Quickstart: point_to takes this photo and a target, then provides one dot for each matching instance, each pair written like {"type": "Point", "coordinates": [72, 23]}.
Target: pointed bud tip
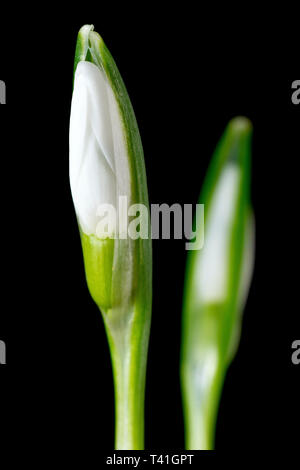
{"type": "Point", "coordinates": [88, 33]}
{"type": "Point", "coordinates": [240, 125]}
{"type": "Point", "coordinates": [85, 29]}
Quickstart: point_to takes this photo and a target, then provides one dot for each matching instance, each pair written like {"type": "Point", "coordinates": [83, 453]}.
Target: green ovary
{"type": "Point", "coordinates": [98, 260]}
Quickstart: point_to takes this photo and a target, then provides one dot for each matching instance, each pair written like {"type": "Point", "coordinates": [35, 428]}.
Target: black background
{"type": "Point", "coordinates": [57, 385]}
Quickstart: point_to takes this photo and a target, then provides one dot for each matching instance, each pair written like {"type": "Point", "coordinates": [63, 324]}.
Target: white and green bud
{"type": "Point", "coordinates": [106, 165]}
{"type": "Point", "coordinates": [217, 283]}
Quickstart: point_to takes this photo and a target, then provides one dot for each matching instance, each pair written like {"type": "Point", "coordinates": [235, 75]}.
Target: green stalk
{"type": "Point", "coordinates": [119, 271]}
{"type": "Point", "coordinates": [200, 408]}
{"type": "Point", "coordinates": [217, 284]}
{"type": "Point", "coordinates": [129, 356]}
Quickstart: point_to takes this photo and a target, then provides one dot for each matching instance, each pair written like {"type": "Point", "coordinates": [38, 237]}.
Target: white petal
{"type": "Point", "coordinates": [213, 264]}
{"type": "Point", "coordinates": [92, 156]}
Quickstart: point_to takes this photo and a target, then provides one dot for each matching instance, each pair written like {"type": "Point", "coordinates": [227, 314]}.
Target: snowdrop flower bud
{"type": "Point", "coordinates": [217, 283]}
{"type": "Point", "coordinates": [106, 166]}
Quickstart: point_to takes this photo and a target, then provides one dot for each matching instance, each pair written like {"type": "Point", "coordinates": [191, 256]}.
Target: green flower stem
{"type": "Point", "coordinates": [201, 414]}
{"type": "Point", "coordinates": [129, 357]}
